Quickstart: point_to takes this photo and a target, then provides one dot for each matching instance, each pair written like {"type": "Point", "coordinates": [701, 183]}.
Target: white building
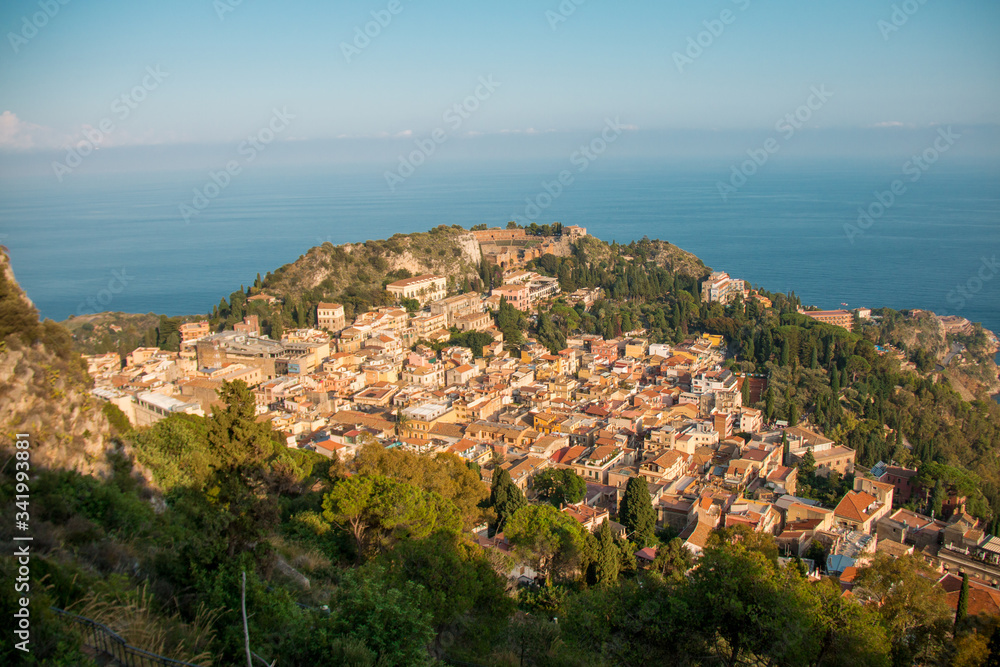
{"type": "Point", "coordinates": [425, 288]}
{"type": "Point", "coordinates": [720, 288]}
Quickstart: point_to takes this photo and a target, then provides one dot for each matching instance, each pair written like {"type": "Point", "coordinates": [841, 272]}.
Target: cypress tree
{"type": "Point", "coordinates": [745, 389]}
{"type": "Point", "coordinates": [963, 601]}
{"type": "Point", "coordinates": [241, 449]}
{"type": "Point", "coordinates": [636, 513]}
{"type": "Point", "coordinates": [505, 498]}
{"type": "Point", "coordinates": [607, 565]}
{"type": "Point", "coordinates": [939, 495]}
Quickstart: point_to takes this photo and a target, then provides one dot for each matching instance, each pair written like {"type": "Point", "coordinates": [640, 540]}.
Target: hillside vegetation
{"type": "Point", "coordinates": [327, 271]}
{"type": "Point", "coordinates": [93, 333]}
{"type": "Point", "coordinates": [355, 275]}
{"type": "Point", "coordinates": [660, 253]}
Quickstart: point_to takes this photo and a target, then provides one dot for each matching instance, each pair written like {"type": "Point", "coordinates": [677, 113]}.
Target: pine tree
{"type": "Point", "coordinates": [607, 563]}
{"type": "Point", "coordinates": [963, 601]}
{"type": "Point", "coordinates": [505, 498]}
{"type": "Point", "coordinates": [636, 513]}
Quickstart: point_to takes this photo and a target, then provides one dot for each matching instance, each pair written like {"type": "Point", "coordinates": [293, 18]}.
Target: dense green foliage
{"type": "Point", "coordinates": [474, 340]}
{"type": "Point", "coordinates": [607, 559]}
{"type": "Point", "coordinates": [505, 499]}
{"type": "Point", "coordinates": [636, 512]}
{"type": "Point", "coordinates": [379, 511]}
{"type": "Point", "coordinates": [559, 486]}
{"type": "Point", "coordinates": [552, 541]}
{"type": "Point", "coordinates": [445, 474]}
{"type": "Point", "coordinates": [737, 607]}
{"type": "Point", "coordinates": [512, 323]}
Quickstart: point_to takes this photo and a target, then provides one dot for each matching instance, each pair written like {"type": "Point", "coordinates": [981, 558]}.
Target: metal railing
{"type": "Point", "coordinates": [109, 644]}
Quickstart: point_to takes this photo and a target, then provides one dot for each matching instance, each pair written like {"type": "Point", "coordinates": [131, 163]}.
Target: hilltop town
{"type": "Point", "coordinates": [431, 374]}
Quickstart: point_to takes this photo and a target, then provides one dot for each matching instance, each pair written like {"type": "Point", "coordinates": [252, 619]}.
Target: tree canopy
{"type": "Point", "coordinates": [551, 540]}
{"type": "Point", "coordinates": [560, 486]}
{"type": "Point", "coordinates": [505, 498]}
{"type": "Point", "coordinates": [378, 510]}
{"type": "Point", "coordinates": [636, 512]}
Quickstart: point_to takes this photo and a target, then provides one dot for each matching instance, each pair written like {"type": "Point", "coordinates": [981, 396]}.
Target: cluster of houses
{"type": "Point", "coordinates": [610, 410]}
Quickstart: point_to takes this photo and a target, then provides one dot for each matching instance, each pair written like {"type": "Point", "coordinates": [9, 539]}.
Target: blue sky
{"type": "Point", "coordinates": [225, 75]}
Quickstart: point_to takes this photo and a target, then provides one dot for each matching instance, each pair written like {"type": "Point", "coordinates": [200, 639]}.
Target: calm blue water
{"type": "Point", "coordinates": [784, 230]}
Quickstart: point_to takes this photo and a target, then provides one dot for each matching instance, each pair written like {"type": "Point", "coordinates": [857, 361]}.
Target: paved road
{"type": "Point", "coordinates": [956, 348]}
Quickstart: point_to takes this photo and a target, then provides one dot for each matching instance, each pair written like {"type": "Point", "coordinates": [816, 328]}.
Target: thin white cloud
{"type": "Point", "coordinates": [21, 135]}
{"type": "Point", "coordinates": [18, 135]}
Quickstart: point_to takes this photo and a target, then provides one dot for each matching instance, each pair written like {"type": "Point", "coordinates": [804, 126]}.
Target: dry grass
{"type": "Point", "coordinates": [134, 618]}
{"type": "Point", "coordinates": [304, 558]}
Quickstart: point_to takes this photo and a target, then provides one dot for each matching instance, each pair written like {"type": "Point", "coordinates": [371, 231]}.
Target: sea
{"type": "Point", "coordinates": [121, 241]}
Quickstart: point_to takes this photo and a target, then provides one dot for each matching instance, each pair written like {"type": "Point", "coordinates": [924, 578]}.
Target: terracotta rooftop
{"type": "Point", "coordinates": [983, 599]}
{"type": "Point", "coordinates": [697, 534]}
{"type": "Point", "coordinates": [854, 505]}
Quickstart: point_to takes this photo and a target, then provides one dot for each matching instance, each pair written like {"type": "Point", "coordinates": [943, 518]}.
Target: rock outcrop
{"type": "Point", "coordinates": [44, 388]}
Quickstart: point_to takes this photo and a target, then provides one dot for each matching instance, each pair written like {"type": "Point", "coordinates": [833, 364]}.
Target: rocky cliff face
{"type": "Point", "coordinates": [923, 332]}
{"type": "Point", "coordinates": [44, 388]}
